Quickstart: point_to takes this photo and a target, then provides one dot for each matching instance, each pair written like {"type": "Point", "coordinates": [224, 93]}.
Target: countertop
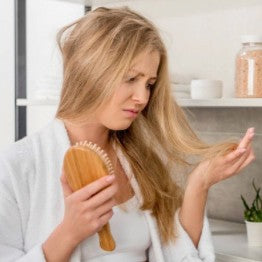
{"type": "Point", "coordinates": [230, 242]}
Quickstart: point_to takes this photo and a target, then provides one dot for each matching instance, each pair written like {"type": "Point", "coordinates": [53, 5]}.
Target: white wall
{"type": "Point", "coordinates": [205, 45]}
{"type": "Point", "coordinates": [44, 67]}
{"type": "Point", "coordinates": [7, 73]}
{"type": "Point", "coordinates": [202, 37]}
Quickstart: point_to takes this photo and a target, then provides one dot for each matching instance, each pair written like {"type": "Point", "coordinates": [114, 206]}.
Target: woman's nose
{"type": "Point", "coordinates": [141, 94]}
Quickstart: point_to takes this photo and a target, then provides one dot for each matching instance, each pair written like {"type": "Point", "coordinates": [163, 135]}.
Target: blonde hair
{"type": "Point", "coordinates": [97, 51]}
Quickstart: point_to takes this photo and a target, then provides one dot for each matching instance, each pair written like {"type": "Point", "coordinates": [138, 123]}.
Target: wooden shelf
{"type": "Point", "coordinates": [216, 103]}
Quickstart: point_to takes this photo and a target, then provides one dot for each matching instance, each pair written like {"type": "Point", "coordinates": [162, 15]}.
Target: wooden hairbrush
{"type": "Point", "coordinates": [84, 163]}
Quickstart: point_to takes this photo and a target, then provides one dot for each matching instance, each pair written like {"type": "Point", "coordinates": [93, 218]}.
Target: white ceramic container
{"type": "Point", "coordinates": [254, 233]}
{"type": "Point", "coordinates": [206, 89]}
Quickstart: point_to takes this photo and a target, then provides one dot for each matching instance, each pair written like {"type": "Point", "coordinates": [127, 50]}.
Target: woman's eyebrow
{"type": "Point", "coordinates": [142, 74]}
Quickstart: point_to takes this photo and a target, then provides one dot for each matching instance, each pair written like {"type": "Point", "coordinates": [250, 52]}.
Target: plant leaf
{"type": "Point", "coordinates": [257, 197]}
{"type": "Point", "coordinates": [253, 183]}
{"type": "Point", "coordinates": [245, 203]}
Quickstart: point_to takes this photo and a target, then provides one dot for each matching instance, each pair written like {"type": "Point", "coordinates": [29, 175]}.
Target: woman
{"type": "Point", "coordinates": [115, 93]}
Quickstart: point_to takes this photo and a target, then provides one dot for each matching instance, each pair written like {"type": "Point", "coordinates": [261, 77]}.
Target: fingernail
{"type": "Point", "coordinates": [251, 135]}
{"type": "Point", "coordinates": [251, 129]}
{"type": "Point", "coordinates": [242, 150]}
{"type": "Point", "coordinates": [110, 178]}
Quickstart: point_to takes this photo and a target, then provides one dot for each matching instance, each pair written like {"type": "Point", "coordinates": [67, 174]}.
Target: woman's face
{"type": "Point", "coordinates": [132, 96]}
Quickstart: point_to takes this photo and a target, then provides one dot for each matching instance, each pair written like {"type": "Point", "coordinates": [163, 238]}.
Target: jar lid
{"type": "Point", "coordinates": [251, 39]}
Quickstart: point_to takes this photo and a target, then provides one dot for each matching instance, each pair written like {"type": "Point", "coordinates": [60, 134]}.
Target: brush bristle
{"type": "Point", "coordinates": [98, 150]}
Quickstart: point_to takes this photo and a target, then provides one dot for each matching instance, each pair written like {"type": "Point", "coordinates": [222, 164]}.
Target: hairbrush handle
{"type": "Point", "coordinates": [106, 240]}
{"type": "Point", "coordinates": [83, 164]}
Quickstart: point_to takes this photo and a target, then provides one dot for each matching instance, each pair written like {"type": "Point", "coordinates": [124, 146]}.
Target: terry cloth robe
{"type": "Point", "coordinates": [32, 203]}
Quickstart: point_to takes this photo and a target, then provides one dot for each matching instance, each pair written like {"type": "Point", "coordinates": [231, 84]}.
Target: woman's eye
{"type": "Point", "coordinates": [150, 86]}
{"type": "Point", "coordinates": [131, 79]}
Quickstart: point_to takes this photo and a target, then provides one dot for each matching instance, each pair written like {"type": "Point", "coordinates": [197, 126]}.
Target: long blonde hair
{"type": "Point", "coordinates": [97, 51]}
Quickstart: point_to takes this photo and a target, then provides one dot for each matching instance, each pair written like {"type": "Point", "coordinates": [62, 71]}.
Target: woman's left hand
{"type": "Point", "coordinates": [210, 172]}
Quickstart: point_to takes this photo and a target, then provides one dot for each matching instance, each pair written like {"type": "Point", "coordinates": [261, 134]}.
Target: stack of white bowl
{"type": "Point", "coordinates": [180, 85]}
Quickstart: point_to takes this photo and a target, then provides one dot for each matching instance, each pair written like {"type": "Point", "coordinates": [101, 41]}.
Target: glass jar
{"type": "Point", "coordinates": [248, 73]}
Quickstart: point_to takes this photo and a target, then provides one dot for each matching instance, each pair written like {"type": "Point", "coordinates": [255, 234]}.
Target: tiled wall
{"type": "Point", "coordinates": [216, 124]}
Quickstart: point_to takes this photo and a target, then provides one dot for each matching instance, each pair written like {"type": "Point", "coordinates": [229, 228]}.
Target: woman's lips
{"type": "Point", "coordinates": [130, 113]}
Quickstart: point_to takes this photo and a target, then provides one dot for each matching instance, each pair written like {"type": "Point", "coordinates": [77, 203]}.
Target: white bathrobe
{"type": "Point", "coordinates": [32, 204]}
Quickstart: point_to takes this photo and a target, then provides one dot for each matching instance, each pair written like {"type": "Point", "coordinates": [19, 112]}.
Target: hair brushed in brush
{"type": "Point", "coordinates": [84, 163]}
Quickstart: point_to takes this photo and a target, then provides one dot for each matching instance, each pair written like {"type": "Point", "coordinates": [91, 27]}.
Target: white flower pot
{"type": "Point", "coordinates": [254, 233]}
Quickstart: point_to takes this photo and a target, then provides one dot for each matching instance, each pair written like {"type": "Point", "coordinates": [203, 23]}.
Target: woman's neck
{"type": "Point", "coordinates": [88, 132]}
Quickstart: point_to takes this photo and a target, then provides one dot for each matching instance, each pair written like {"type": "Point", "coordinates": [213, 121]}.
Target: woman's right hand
{"type": "Point", "coordinates": [88, 209]}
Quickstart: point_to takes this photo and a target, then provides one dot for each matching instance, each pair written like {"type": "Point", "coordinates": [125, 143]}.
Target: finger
{"type": "Point", "coordinates": [105, 218]}
{"type": "Point", "coordinates": [107, 206]}
{"type": "Point", "coordinates": [66, 188]}
{"type": "Point", "coordinates": [241, 149]}
{"type": "Point", "coordinates": [239, 161]}
{"type": "Point", "coordinates": [103, 196]}
{"type": "Point", "coordinates": [247, 162]}
{"type": "Point", "coordinates": [247, 138]}
{"type": "Point", "coordinates": [234, 155]}
{"type": "Point", "coordinates": [245, 154]}
{"type": "Point", "coordinates": [251, 157]}
{"type": "Point", "coordinates": [246, 159]}
{"type": "Point", "coordinates": [94, 187]}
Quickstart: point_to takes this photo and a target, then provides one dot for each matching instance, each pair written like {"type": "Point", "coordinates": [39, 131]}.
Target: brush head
{"type": "Point", "coordinates": [84, 163]}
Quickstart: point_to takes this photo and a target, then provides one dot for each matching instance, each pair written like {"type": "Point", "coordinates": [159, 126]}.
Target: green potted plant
{"type": "Point", "coordinates": [253, 218]}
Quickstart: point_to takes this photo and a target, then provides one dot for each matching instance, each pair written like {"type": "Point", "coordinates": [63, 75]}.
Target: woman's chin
{"type": "Point", "coordinates": [119, 126]}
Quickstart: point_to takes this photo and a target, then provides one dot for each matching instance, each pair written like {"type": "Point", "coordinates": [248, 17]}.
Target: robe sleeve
{"type": "Point", "coordinates": [11, 237]}
{"type": "Point", "coordinates": [184, 250]}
